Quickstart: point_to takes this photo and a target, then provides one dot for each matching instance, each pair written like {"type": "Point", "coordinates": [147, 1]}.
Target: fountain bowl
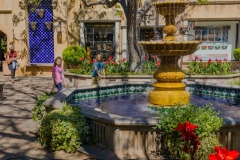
{"type": "Point", "coordinates": [169, 48]}
{"type": "Point", "coordinates": [172, 8]}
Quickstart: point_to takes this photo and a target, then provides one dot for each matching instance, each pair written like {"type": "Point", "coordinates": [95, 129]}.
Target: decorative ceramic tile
{"type": "Point", "coordinates": [140, 88]}
{"type": "Point", "coordinates": [148, 89]}
{"type": "Point", "coordinates": [232, 93]}
{"type": "Point", "coordinates": [209, 90]}
{"type": "Point", "coordinates": [41, 41]}
{"type": "Point", "coordinates": [224, 92]}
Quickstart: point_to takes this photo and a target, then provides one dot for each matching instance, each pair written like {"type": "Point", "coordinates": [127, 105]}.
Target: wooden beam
{"type": "Point", "coordinates": [5, 11]}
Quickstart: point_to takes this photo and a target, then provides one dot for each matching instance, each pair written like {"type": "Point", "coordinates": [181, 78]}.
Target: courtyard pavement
{"type": "Point", "coordinates": [17, 138]}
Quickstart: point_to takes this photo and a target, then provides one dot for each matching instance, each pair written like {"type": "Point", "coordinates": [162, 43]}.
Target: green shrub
{"type": "Point", "coordinates": [208, 124]}
{"type": "Point", "coordinates": [64, 129]}
{"type": "Point", "coordinates": [39, 111]}
{"type": "Point", "coordinates": [234, 81]}
{"type": "Point", "coordinates": [236, 53]}
{"type": "Point", "coordinates": [72, 54]}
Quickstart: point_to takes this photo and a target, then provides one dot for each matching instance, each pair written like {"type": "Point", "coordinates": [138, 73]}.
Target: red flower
{"type": "Point", "coordinates": [200, 59]}
{"type": "Point", "coordinates": [91, 61]}
{"type": "Point", "coordinates": [81, 59]}
{"type": "Point", "coordinates": [196, 58]}
{"type": "Point", "coordinates": [146, 57]}
{"type": "Point", "coordinates": [216, 60]}
{"type": "Point", "coordinates": [219, 61]}
{"type": "Point", "coordinates": [110, 58]}
{"type": "Point", "coordinates": [186, 129]}
{"type": "Point", "coordinates": [107, 62]}
{"type": "Point", "coordinates": [158, 63]}
{"type": "Point", "coordinates": [191, 139]}
{"type": "Point", "coordinates": [114, 63]}
{"type": "Point", "coordinates": [225, 59]}
{"type": "Point", "coordinates": [154, 57]}
{"type": "Point", "coordinates": [124, 59]}
{"type": "Point", "coordinates": [223, 154]}
{"type": "Point", "coordinates": [209, 61]}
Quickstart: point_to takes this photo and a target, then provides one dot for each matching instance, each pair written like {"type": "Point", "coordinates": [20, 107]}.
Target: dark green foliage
{"type": "Point", "coordinates": [208, 124]}
{"type": "Point", "coordinates": [236, 53]}
{"type": "Point", "coordinates": [72, 54]}
{"type": "Point", "coordinates": [39, 111]}
{"type": "Point", "coordinates": [64, 129]}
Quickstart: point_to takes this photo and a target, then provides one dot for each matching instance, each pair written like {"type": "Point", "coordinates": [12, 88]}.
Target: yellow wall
{"type": "Point", "coordinates": [70, 25]}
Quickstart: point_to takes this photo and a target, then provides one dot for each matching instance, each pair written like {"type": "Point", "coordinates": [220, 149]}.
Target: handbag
{"type": "Point", "coordinates": [9, 61]}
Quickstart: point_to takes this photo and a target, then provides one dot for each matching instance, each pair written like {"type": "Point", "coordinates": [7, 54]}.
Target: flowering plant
{"type": "Point", "coordinates": [150, 65]}
{"type": "Point", "coordinates": [197, 66]}
{"type": "Point", "coordinates": [198, 140]}
{"type": "Point", "coordinates": [189, 136]}
{"type": "Point", "coordinates": [223, 154]}
{"type": "Point", "coordinates": [120, 67]}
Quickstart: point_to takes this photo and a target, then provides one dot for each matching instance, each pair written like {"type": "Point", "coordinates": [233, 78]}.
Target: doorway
{"type": "Point", "coordinates": [3, 48]}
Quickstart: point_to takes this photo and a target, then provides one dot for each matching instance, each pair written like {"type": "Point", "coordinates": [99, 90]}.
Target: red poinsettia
{"type": "Point", "coordinates": [186, 129]}
{"type": "Point", "coordinates": [223, 154]}
{"type": "Point", "coordinates": [191, 139]}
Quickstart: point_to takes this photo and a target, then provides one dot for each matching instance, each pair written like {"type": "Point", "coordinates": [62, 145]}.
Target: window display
{"type": "Point", "coordinates": [212, 37]}
{"type": "Point", "coordinates": [100, 39]}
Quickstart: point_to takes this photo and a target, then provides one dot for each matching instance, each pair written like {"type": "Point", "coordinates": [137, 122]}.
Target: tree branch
{"type": "Point", "coordinates": [124, 6]}
{"type": "Point", "coordinates": [100, 2]}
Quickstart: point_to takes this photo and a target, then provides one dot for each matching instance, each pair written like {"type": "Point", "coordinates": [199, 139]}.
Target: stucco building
{"type": "Point", "coordinates": [40, 38]}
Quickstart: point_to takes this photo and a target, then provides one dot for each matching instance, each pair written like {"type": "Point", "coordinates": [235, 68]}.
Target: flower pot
{"type": "Point", "coordinates": [49, 25]}
{"type": "Point", "coordinates": [203, 47]}
{"type": "Point", "coordinates": [40, 12]}
{"type": "Point", "coordinates": [33, 25]}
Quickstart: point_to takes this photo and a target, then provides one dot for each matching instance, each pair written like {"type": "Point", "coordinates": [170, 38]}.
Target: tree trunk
{"type": "Point", "coordinates": [139, 17]}
{"type": "Point", "coordinates": [134, 56]}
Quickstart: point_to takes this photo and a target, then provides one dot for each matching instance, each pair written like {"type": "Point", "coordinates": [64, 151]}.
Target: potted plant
{"type": "Point", "coordinates": [236, 54]}
{"type": "Point", "coordinates": [72, 54]}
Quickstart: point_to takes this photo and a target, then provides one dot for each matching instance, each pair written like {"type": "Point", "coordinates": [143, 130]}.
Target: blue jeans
{"type": "Point", "coordinates": [59, 86]}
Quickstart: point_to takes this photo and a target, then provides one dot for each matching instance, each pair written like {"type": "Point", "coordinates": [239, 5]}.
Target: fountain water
{"type": "Point", "coordinates": [169, 89]}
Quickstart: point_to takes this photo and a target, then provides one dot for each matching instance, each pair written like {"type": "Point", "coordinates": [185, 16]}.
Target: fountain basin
{"type": "Point", "coordinates": [170, 7]}
{"type": "Point", "coordinates": [169, 48]}
{"type": "Point", "coordinates": [126, 134]}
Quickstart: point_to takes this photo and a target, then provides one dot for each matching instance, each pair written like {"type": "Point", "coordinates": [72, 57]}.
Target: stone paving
{"type": "Point", "coordinates": [16, 126]}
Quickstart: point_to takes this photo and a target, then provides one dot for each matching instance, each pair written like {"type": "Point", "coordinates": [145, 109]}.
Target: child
{"type": "Point", "coordinates": [98, 69]}
{"type": "Point", "coordinates": [57, 73]}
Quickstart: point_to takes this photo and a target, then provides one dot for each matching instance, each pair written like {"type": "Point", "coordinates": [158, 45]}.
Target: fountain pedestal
{"type": "Point", "coordinates": [169, 89]}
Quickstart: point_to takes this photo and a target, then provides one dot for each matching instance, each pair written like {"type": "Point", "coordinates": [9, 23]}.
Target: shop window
{"type": "Point", "coordinates": [147, 34]}
{"type": "Point", "coordinates": [99, 39]}
{"type": "Point", "coordinates": [212, 37]}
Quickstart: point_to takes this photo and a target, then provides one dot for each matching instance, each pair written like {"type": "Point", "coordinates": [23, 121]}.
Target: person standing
{"type": "Point", "coordinates": [11, 58]}
{"type": "Point", "coordinates": [98, 70]}
{"type": "Point", "coordinates": [57, 73]}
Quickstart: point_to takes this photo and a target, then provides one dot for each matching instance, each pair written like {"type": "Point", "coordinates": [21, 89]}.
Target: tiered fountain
{"type": "Point", "coordinates": [169, 89]}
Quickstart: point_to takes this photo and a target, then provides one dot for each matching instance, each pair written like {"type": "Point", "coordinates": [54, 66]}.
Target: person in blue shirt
{"type": "Point", "coordinates": [98, 70]}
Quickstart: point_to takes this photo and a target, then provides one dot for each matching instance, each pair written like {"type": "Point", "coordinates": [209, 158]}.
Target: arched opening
{"type": "Point", "coordinates": [3, 48]}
